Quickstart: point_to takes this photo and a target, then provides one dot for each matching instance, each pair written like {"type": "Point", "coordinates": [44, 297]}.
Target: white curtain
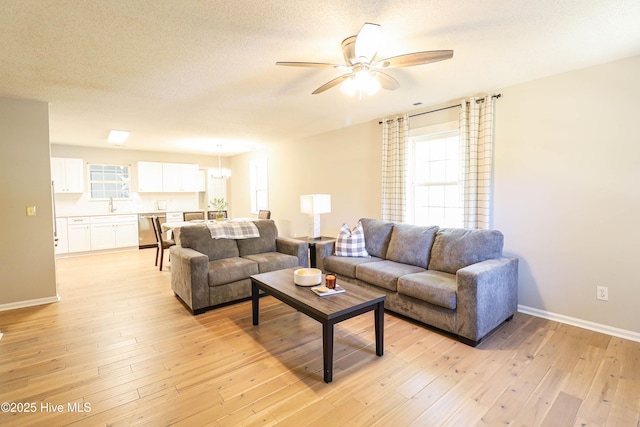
{"type": "Point", "coordinates": [476, 139]}
{"type": "Point", "coordinates": [395, 140]}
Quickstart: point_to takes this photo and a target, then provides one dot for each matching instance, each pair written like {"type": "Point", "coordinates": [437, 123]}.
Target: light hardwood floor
{"type": "Point", "coordinates": [120, 346]}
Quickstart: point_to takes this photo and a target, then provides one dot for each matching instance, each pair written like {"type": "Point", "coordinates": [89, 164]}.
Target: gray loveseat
{"type": "Point", "coordinates": [207, 272]}
{"type": "Point", "coordinates": [453, 279]}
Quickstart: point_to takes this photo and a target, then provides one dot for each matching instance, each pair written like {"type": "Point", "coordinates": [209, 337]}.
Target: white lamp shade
{"type": "Point", "coordinates": [315, 203]}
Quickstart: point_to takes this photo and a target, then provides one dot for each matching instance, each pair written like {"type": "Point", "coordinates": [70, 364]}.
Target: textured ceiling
{"type": "Point", "coordinates": [185, 75]}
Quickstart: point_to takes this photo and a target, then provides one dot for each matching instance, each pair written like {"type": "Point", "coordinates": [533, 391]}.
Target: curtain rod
{"type": "Point", "coordinates": [446, 108]}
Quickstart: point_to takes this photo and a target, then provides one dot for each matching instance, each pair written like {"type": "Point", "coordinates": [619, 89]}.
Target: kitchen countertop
{"type": "Point", "coordinates": [151, 212]}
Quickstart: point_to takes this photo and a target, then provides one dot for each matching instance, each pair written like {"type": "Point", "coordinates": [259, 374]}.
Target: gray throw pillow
{"type": "Point", "coordinates": [456, 248]}
{"type": "Point", "coordinates": [377, 234]}
{"type": "Point", "coordinates": [411, 244]}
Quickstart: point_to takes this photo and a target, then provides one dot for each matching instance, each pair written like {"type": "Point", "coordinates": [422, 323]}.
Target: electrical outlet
{"type": "Point", "coordinates": [31, 211]}
{"type": "Point", "coordinates": [602, 293]}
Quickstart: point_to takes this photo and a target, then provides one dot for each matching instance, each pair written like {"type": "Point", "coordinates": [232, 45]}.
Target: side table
{"type": "Point", "coordinates": [312, 246]}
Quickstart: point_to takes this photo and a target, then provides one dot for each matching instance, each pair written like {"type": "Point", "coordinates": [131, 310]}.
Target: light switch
{"type": "Point", "coordinates": [31, 211]}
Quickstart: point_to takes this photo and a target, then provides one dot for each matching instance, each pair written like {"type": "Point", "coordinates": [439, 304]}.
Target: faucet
{"type": "Point", "coordinates": [111, 208]}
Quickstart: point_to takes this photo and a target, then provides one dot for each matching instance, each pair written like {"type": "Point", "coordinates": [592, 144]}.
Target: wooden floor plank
{"type": "Point", "coordinates": [563, 411]}
{"type": "Point", "coordinates": [121, 341]}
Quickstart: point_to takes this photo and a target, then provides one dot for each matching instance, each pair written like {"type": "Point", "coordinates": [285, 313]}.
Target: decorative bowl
{"type": "Point", "coordinates": [307, 276]}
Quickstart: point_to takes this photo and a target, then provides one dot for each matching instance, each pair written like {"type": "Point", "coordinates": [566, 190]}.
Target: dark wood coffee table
{"type": "Point", "coordinates": [327, 310]}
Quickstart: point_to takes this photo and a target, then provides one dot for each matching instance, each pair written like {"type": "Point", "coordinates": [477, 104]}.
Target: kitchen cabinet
{"type": "Point", "coordinates": [155, 177]}
{"type": "Point", "coordinates": [67, 175]}
{"type": "Point", "coordinates": [114, 231]}
{"type": "Point", "coordinates": [202, 180]}
{"type": "Point", "coordinates": [78, 234]}
{"type": "Point", "coordinates": [150, 177]}
{"type": "Point", "coordinates": [127, 234]}
{"type": "Point", "coordinates": [179, 177]}
{"type": "Point", "coordinates": [62, 245]}
{"type": "Point", "coordinates": [175, 216]}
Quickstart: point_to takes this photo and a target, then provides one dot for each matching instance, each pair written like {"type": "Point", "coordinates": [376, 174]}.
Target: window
{"type": "Point", "coordinates": [107, 181]}
{"type": "Point", "coordinates": [258, 185]}
{"type": "Point", "coordinates": [434, 190]}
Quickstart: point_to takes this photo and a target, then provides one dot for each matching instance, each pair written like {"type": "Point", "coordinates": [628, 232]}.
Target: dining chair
{"type": "Point", "coordinates": [162, 244]}
{"type": "Point", "coordinates": [264, 214]}
{"type": "Point", "coordinates": [192, 216]}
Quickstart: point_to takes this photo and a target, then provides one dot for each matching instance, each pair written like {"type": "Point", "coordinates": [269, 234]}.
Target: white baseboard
{"type": "Point", "coordinates": [585, 324]}
{"type": "Point", "coordinates": [29, 303]}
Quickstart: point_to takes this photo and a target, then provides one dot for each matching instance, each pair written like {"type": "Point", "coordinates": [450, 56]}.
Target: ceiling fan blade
{"type": "Point", "coordinates": [332, 83]}
{"type": "Point", "coordinates": [386, 81]}
{"type": "Point", "coordinates": [310, 64]}
{"type": "Point", "coordinates": [417, 58]}
{"type": "Point", "coordinates": [367, 41]}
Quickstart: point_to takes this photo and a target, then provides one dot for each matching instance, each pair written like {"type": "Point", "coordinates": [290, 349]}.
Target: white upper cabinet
{"type": "Point", "coordinates": [67, 175]}
{"type": "Point", "coordinates": [172, 177]}
{"type": "Point", "coordinates": [180, 177]}
{"type": "Point", "coordinates": [167, 177]}
{"type": "Point", "coordinates": [149, 177]}
{"type": "Point", "coordinates": [202, 180]}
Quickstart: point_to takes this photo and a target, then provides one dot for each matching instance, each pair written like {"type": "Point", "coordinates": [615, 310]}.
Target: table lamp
{"type": "Point", "coordinates": [314, 205]}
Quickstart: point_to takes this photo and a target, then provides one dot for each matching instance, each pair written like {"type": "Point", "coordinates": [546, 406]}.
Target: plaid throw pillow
{"type": "Point", "coordinates": [351, 242]}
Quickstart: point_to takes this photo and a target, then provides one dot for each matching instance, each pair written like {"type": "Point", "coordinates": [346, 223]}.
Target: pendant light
{"type": "Point", "coordinates": [220, 172]}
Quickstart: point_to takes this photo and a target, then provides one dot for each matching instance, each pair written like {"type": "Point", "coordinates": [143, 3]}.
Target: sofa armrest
{"type": "Point", "coordinates": [487, 296]}
{"type": "Point", "coordinates": [190, 276]}
{"type": "Point", "coordinates": [323, 250]}
{"type": "Point", "coordinates": [297, 248]}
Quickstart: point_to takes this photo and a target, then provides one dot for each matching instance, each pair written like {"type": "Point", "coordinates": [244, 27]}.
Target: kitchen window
{"type": "Point", "coordinates": [434, 197]}
{"type": "Point", "coordinates": [109, 181]}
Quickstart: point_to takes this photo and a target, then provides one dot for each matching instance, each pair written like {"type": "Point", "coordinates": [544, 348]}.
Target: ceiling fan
{"type": "Point", "coordinates": [364, 73]}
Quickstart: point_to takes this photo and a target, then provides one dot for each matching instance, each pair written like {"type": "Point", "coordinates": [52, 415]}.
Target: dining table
{"type": "Point", "coordinates": [173, 228]}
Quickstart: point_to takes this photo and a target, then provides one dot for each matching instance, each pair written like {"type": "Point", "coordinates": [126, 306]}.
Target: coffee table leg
{"type": "Point", "coordinates": [327, 351]}
{"type": "Point", "coordinates": [255, 301]}
{"type": "Point", "coordinates": [379, 328]}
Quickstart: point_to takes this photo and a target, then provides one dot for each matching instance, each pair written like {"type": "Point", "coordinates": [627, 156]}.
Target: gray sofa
{"type": "Point", "coordinates": [208, 272]}
{"type": "Point", "coordinates": [453, 279]}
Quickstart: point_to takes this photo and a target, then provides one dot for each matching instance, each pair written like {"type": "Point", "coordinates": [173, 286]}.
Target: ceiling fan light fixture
{"type": "Point", "coordinates": [348, 87]}
{"type": "Point", "coordinates": [363, 82]}
{"type": "Point", "coordinates": [359, 53]}
{"type": "Point", "coordinates": [370, 84]}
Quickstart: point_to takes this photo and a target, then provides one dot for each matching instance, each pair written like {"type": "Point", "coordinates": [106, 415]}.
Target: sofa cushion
{"type": "Point", "coordinates": [455, 248]}
{"type": "Point", "coordinates": [434, 287]}
{"type": "Point", "coordinates": [377, 234]}
{"type": "Point", "coordinates": [384, 274]}
{"type": "Point", "coordinates": [351, 243]}
{"type": "Point", "coordinates": [411, 244]}
{"type": "Point", "coordinates": [198, 237]}
{"type": "Point", "coordinates": [345, 266]}
{"type": "Point", "coordinates": [271, 261]}
{"type": "Point", "coordinates": [265, 243]}
{"type": "Point", "coordinates": [229, 270]}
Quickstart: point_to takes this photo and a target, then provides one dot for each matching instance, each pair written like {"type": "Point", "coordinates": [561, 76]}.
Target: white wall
{"type": "Point", "coordinates": [567, 193]}
{"type": "Point", "coordinates": [27, 260]}
{"type": "Point", "coordinates": [344, 164]}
